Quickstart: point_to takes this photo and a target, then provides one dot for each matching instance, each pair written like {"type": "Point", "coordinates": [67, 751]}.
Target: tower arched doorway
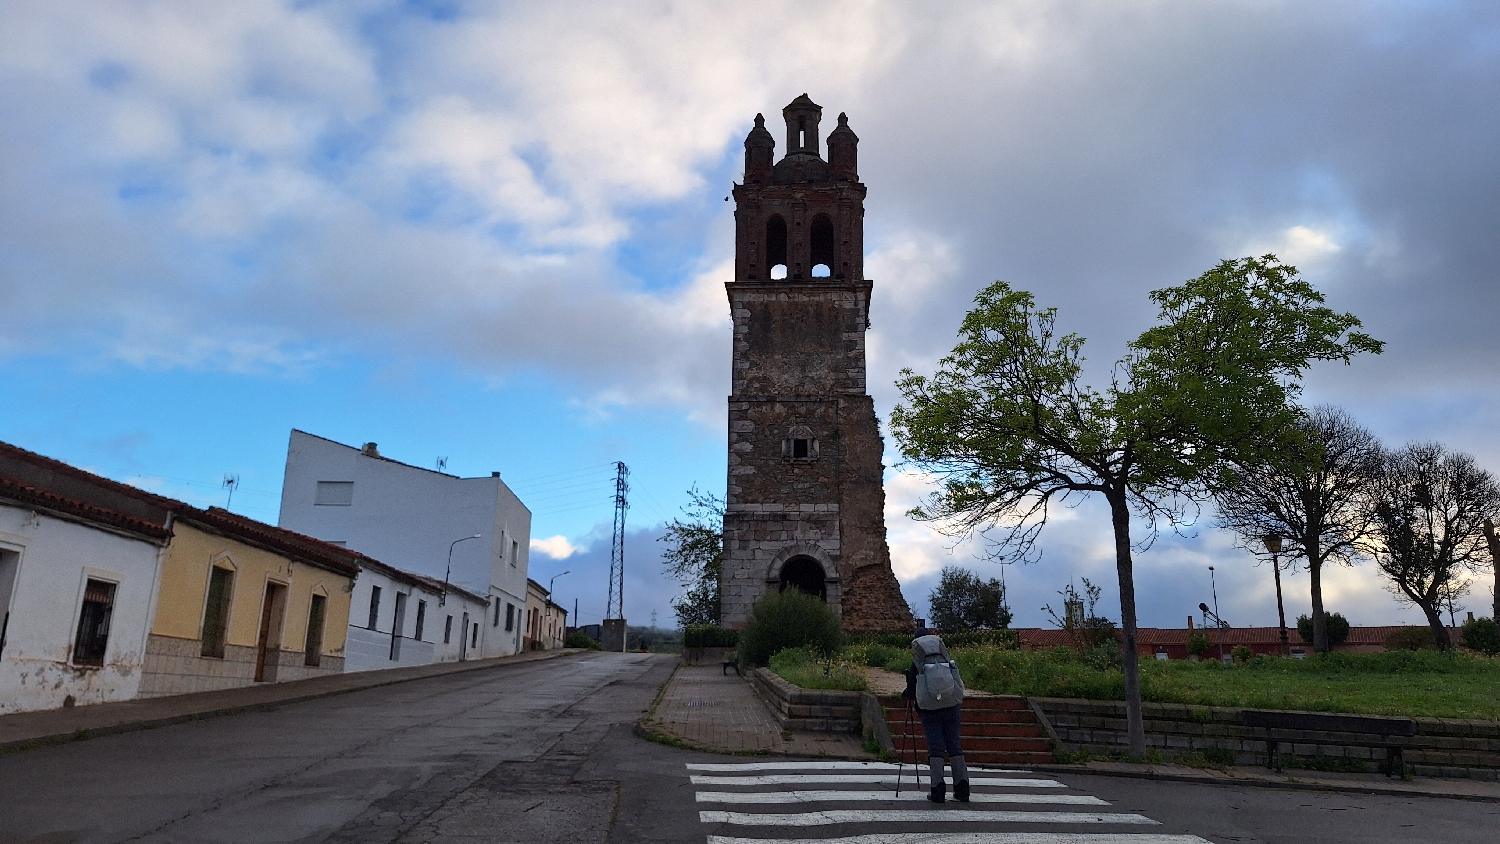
{"type": "Point", "coordinates": [806, 575]}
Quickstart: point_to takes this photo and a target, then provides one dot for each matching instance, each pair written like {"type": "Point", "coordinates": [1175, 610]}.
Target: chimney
{"type": "Point", "coordinates": [369, 450]}
{"type": "Point", "coordinates": [494, 474]}
{"type": "Point", "coordinates": [1190, 622]}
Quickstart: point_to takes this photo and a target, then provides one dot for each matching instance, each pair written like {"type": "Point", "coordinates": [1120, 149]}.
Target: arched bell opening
{"type": "Point", "coordinates": [806, 575]}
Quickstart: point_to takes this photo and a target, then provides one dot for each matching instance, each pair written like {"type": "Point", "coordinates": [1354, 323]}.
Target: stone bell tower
{"type": "Point", "coordinates": [805, 502]}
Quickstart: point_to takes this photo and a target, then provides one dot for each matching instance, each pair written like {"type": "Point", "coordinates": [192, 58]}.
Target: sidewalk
{"type": "Point", "coordinates": [1304, 780]}
{"type": "Point", "coordinates": [709, 710]}
{"type": "Point", "coordinates": [52, 726]}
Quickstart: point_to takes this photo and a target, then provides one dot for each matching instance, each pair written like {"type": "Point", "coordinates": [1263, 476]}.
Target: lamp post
{"type": "Point", "coordinates": [1273, 544]}
{"type": "Point", "coordinates": [554, 580]}
{"type": "Point", "coordinates": [443, 598]}
{"type": "Point", "coordinates": [1218, 619]}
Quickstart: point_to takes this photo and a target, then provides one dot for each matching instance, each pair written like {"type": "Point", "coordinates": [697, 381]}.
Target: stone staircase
{"type": "Point", "coordinates": [996, 731]}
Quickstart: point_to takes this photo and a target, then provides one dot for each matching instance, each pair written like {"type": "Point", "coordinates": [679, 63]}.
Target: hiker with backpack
{"type": "Point", "coordinates": [933, 684]}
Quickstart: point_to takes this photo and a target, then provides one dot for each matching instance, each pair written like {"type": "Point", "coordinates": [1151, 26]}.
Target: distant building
{"type": "Point", "coordinates": [398, 618]}
{"type": "Point", "coordinates": [410, 517]}
{"type": "Point", "coordinates": [546, 622]}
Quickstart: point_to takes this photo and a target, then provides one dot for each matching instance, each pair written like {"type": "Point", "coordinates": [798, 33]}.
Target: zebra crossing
{"type": "Point", "coordinates": [828, 802]}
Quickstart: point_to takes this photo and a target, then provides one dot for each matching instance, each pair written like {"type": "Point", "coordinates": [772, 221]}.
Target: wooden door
{"type": "Point", "coordinates": [268, 643]}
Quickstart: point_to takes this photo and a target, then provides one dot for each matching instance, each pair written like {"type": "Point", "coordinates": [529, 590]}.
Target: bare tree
{"type": "Point", "coordinates": [1429, 508]}
{"type": "Point", "coordinates": [1317, 501]}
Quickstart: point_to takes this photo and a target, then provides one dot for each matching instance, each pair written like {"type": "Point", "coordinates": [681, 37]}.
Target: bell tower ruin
{"type": "Point", "coordinates": [805, 502]}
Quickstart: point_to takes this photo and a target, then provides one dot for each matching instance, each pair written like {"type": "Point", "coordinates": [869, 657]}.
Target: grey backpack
{"type": "Point", "coordinates": [938, 683]}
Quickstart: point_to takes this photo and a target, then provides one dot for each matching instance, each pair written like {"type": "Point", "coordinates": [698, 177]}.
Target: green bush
{"type": "Point", "coordinates": [709, 636]}
{"type": "Point", "coordinates": [891, 639]}
{"type": "Point", "coordinates": [790, 619]}
{"type": "Point", "coordinates": [1338, 628]}
{"type": "Point", "coordinates": [1242, 653]}
{"type": "Point", "coordinates": [1004, 639]}
{"type": "Point", "coordinates": [875, 654]}
{"type": "Point", "coordinates": [578, 639]}
{"type": "Point", "coordinates": [1198, 643]}
{"type": "Point", "coordinates": [1411, 639]}
{"type": "Point", "coordinates": [1483, 635]}
{"type": "Point", "coordinates": [802, 667]}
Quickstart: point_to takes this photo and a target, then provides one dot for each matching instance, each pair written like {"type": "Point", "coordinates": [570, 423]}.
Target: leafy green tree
{"type": "Point", "coordinates": [1483, 635]}
{"type": "Point", "coordinates": [1010, 430]}
{"type": "Point", "coordinates": [962, 601]}
{"type": "Point", "coordinates": [1316, 501]}
{"type": "Point", "coordinates": [695, 557]}
{"type": "Point", "coordinates": [1336, 628]}
{"type": "Point", "coordinates": [1430, 510]}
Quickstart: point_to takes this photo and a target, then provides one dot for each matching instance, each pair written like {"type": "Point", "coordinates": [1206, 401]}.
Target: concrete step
{"type": "Point", "coordinates": [1032, 730]}
{"type": "Point", "coordinates": [980, 716]}
{"type": "Point", "coordinates": [995, 731]}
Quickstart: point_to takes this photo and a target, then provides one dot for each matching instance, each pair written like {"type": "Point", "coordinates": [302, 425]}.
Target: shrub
{"type": "Point", "coordinates": [876, 655]}
{"type": "Point", "coordinates": [891, 639]}
{"type": "Point", "coordinates": [709, 636]}
{"type": "Point", "coordinates": [1242, 653]}
{"type": "Point", "coordinates": [1411, 639]}
{"type": "Point", "coordinates": [791, 619]}
{"type": "Point", "coordinates": [1483, 635]}
{"type": "Point", "coordinates": [1008, 640]}
{"type": "Point", "coordinates": [1198, 643]}
{"type": "Point", "coordinates": [1338, 628]}
{"type": "Point", "coordinates": [802, 667]}
{"type": "Point", "coordinates": [578, 639]}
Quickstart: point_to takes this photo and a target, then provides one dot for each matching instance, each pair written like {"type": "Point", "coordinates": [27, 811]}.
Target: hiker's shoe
{"type": "Point", "coordinates": [939, 793]}
{"type": "Point", "coordinates": [961, 791]}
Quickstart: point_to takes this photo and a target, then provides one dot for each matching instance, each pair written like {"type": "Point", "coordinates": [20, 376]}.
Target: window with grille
{"type": "Point", "coordinates": [510, 616]}
{"type": "Point", "coordinates": [93, 623]}
{"type": "Point", "coordinates": [448, 631]}
{"type": "Point", "coordinates": [374, 606]}
{"type": "Point", "coordinates": [313, 653]}
{"type": "Point", "coordinates": [216, 611]}
{"type": "Point", "coordinates": [421, 620]}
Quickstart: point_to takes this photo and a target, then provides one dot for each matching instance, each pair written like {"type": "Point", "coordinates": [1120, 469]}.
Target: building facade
{"type": "Point", "coordinates": [77, 585]}
{"type": "Point", "coordinates": [416, 520]}
{"type": "Point", "coordinates": [805, 498]}
{"type": "Point", "coordinates": [546, 622]}
{"type": "Point", "coordinates": [398, 618]}
{"type": "Point", "coordinates": [242, 602]}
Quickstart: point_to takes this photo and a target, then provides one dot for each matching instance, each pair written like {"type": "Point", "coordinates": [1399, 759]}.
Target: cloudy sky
{"type": "Point", "coordinates": [497, 233]}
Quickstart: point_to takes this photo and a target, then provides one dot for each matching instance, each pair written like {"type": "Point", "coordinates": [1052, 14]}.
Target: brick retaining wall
{"type": "Point", "coordinates": [797, 708]}
{"type": "Point", "coordinates": [1443, 747]}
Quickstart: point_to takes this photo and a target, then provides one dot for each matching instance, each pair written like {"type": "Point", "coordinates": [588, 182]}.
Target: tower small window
{"type": "Point", "coordinates": [800, 447]}
{"type": "Point", "coordinates": [776, 246]}
{"type": "Point", "coordinates": [800, 444]}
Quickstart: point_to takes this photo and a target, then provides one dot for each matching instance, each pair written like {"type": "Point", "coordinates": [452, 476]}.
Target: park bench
{"type": "Point", "coordinates": [728, 664]}
{"type": "Point", "coordinates": [1353, 731]}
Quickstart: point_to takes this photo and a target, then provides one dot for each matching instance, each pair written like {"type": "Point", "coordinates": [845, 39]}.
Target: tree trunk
{"type": "Point", "coordinates": [1433, 609]}
{"type": "Point", "coordinates": [1314, 550]}
{"type": "Point", "coordinates": [1494, 541]}
{"type": "Point", "coordinates": [1135, 725]}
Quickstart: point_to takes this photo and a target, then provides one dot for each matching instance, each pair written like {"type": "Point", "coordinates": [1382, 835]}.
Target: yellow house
{"type": "Point", "coordinates": [242, 602]}
{"type": "Point", "coordinates": [546, 622]}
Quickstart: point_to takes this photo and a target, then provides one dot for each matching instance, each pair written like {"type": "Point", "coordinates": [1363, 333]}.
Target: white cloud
{"type": "Point", "coordinates": [557, 547]}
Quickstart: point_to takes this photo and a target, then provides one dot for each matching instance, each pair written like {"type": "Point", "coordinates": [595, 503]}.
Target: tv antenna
{"type": "Point", "coordinates": [614, 607]}
{"type": "Point", "coordinates": [231, 483]}
{"type": "Point", "coordinates": [442, 464]}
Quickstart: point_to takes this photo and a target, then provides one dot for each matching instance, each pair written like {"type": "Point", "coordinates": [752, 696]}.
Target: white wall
{"type": "Point", "coordinates": [368, 648]}
{"type": "Point", "coordinates": [407, 517]}
{"type": "Point", "coordinates": [55, 558]}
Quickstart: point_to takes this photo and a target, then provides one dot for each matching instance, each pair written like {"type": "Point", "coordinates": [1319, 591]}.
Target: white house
{"type": "Point", "coordinates": [77, 587]}
{"type": "Point", "coordinates": [415, 519]}
{"type": "Point", "coordinates": [397, 618]}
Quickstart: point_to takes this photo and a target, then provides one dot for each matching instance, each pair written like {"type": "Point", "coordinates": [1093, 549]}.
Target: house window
{"type": "Point", "coordinates": [93, 623]}
{"type": "Point", "coordinates": [448, 631]}
{"type": "Point", "coordinates": [515, 552]}
{"type": "Point", "coordinates": [334, 494]}
{"type": "Point", "coordinates": [10, 566]}
{"type": "Point", "coordinates": [510, 615]}
{"type": "Point", "coordinates": [216, 611]}
{"type": "Point", "coordinates": [312, 655]}
{"type": "Point", "coordinates": [476, 637]}
{"type": "Point", "coordinates": [421, 620]}
{"type": "Point", "coordinates": [496, 622]}
{"type": "Point", "coordinates": [374, 606]}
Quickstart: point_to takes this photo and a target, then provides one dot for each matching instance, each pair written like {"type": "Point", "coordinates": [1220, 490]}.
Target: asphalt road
{"type": "Point", "coordinates": [543, 752]}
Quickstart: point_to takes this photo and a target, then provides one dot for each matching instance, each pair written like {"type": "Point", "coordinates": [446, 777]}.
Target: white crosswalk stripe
{"type": "Point", "coordinates": [877, 779]}
{"type": "Point", "coordinates": [907, 794]}
{"type": "Point", "coordinates": [849, 809]}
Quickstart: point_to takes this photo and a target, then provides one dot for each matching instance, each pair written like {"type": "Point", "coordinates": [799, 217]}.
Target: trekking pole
{"type": "Point", "coordinates": [901, 757]}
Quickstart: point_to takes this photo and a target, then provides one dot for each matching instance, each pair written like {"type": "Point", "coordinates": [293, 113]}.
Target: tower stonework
{"type": "Point", "coordinates": [805, 502]}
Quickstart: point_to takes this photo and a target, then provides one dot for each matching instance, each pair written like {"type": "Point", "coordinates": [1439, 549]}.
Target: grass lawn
{"type": "Point", "coordinates": [1413, 683]}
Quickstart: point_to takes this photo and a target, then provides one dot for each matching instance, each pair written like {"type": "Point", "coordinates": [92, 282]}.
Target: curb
{"type": "Point", "coordinates": [84, 733]}
{"type": "Point", "coordinates": [1258, 783]}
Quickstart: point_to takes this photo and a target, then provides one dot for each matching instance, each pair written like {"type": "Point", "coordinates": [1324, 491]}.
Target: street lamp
{"type": "Point", "coordinates": [443, 598]}
{"type": "Point", "coordinates": [1273, 544]}
{"type": "Point", "coordinates": [1218, 619]}
{"type": "Point", "coordinates": [554, 580]}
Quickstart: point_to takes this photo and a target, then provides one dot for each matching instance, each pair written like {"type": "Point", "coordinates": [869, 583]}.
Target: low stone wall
{"type": "Point", "coordinates": [1443, 747]}
{"type": "Point", "coordinates": [797, 708]}
{"type": "Point", "coordinates": [707, 656]}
